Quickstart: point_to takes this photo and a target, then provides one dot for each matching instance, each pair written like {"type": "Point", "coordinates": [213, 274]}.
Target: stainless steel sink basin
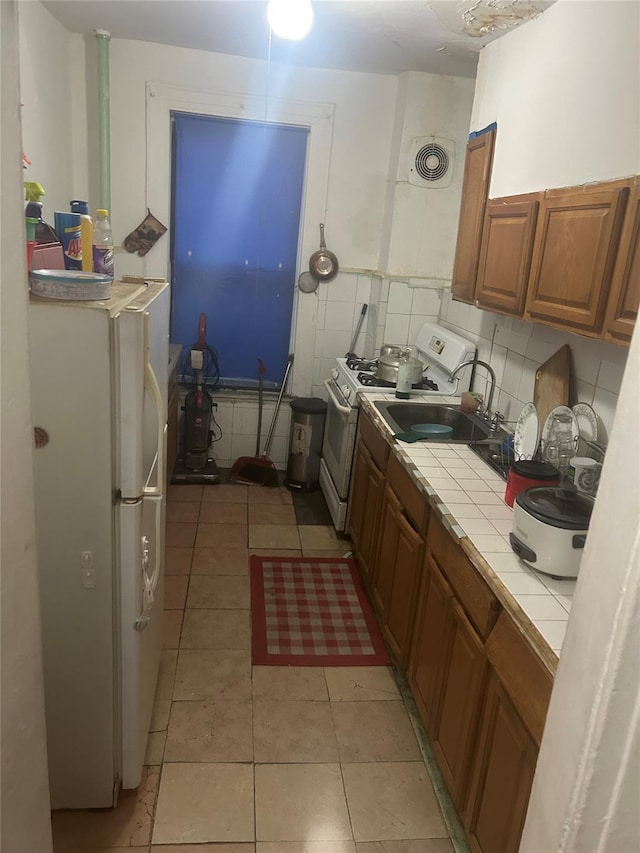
{"type": "Point", "coordinates": [401, 416]}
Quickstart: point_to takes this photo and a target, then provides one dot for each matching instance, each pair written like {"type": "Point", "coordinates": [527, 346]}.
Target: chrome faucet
{"type": "Point", "coordinates": [492, 375]}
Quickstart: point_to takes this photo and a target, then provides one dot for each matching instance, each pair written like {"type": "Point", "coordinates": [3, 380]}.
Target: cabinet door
{"type": "Point", "coordinates": [456, 724]}
{"type": "Point", "coordinates": [431, 642]}
{"type": "Point", "coordinates": [573, 257]}
{"type": "Point", "coordinates": [624, 300]}
{"type": "Point", "coordinates": [505, 255]}
{"type": "Point", "coordinates": [397, 576]}
{"type": "Point", "coordinates": [502, 776]}
{"type": "Point", "coordinates": [475, 188]}
{"type": "Point", "coordinates": [368, 489]}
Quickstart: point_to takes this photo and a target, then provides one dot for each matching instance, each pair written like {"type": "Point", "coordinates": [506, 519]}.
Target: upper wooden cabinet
{"type": "Point", "coordinates": [624, 299]}
{"type": "Point", "coordinates": [574, 255]}
{"type": "Point", "coordinates": [475, 189]}
{"type": "Point", "coordinates": [505, 254]}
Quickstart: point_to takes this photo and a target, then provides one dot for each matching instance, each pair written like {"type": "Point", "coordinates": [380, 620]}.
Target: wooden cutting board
{"type": "Point", "coordinates": [551, 386]}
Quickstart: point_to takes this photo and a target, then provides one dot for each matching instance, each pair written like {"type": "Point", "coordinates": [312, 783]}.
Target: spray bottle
{"type": "Point", "coordinates": [33, 192]}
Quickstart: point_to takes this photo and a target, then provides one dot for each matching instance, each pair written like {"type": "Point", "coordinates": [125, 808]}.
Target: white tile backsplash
{"type": "Point", "coordinates": [343, 288]}
{"type": "Point", "coordinates": [516, 348]}
{"type": "Point", "coordinates": [397, 328]}
{"type": "Point", "coordinates": [604, 405]}
{"type": "Point", "coordinates": [426, 301]}
{"type": "Point", "coordinates": [513, 374]}
{"type": "Point", "coordinates": [339, 316]}
{"type": "Point", "coordinates": [400, 298]}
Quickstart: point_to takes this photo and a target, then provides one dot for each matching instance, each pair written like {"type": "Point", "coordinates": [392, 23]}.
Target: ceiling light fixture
{"type": "Point", "coordinates": [290, 19]}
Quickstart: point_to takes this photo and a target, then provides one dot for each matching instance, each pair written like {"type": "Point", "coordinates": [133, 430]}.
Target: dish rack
{"type": "Point", "coordinates": [498, 453]}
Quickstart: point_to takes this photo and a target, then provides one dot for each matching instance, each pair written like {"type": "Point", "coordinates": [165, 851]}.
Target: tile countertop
{"type": "Point", "coordinates": [469, 497]}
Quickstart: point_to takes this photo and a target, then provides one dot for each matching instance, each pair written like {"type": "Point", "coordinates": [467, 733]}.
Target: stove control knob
{"type": "Point", "coordinates": [335, 372]}
{"type": "Point", "coordinates": [346, 392]}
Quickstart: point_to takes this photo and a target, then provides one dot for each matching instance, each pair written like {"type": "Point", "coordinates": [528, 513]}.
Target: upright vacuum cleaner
{"type": "Point", "coordinates": [195, 463]}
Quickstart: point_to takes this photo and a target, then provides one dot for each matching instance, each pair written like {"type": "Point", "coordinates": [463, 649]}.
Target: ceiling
{"type": "Point", "coordinates": [374, 36]}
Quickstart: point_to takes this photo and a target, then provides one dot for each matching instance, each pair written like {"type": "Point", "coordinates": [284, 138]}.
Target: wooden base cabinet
{"type": "Point", "coordinates": [397, 575]}
{"type": "Point", "coordinates": [366, 503]}
{"type": "Point", "coordinates": [456, 723]}
{"type": "Point", "coordinates": [367, 490]}
{"type": "Point", "coordinates": [431, 642]}
{"type": "Point", "coordinates": [398, 566]}
{"type": "Point", "coordinates": [502, 777]}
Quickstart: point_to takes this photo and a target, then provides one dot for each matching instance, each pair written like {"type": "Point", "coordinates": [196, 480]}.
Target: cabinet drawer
{"type": "Point", "coordinates": [479, 602]}
{"type": "Point", "coordinates": [523, 676]}
{"type": "Point", "coordinates": [413, 501]}
{"type": "Point", "coordinates": [375, 443]}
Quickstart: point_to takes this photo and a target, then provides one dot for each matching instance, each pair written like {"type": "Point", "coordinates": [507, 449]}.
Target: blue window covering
{"type": "Point", "coordinates": [237, 193]}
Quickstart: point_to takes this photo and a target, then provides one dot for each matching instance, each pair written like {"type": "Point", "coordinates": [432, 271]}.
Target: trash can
{"type": "Point", "coordinates": [305, 443]}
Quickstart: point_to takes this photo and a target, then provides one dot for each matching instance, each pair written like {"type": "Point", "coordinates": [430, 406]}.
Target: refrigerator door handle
{"type": "Point", "coordinates": [151, 384]}
{"type": "Point", "coordinates": [149, 582]}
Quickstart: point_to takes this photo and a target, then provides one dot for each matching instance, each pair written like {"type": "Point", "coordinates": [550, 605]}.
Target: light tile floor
{"type": "Point", "coordinates": [245, 759]}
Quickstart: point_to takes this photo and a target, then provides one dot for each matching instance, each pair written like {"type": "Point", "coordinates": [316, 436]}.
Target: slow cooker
{"type": "Point", "coordinates": [550, 526]}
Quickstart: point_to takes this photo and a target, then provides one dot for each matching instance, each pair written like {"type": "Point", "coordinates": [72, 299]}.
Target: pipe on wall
{"type": "Point", "coordinates": [103, 37]}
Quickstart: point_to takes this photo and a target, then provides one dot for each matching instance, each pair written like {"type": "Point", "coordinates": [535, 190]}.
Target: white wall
{"type": "Point", "coordinates": [364, 114]}
{"type": "Point", "coordinates": [565, 91]}
{"type": "Point", "coordinates": [24, 784]}
{"type": "Point", "coordinates": [45, 92]}
{"type": "Point", "coordinates": [424, 220]}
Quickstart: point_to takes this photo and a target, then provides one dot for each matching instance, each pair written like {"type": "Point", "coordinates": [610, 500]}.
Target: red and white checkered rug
{"type": "Point", "coordinates": [312, 612]}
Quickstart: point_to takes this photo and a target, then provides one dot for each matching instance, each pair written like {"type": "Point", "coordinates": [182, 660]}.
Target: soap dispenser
{"type": "Point", "coordinates": [403, 382]}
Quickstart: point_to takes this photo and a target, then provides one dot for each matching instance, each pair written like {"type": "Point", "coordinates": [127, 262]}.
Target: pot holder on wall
{"type": "Point", "coordinates": [145, 235]}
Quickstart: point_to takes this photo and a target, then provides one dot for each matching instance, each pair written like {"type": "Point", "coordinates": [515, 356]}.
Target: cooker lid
{"type": "Point", "coordinates": [533, 470]}
{"type": "Point", "coordinates": [560, 506]}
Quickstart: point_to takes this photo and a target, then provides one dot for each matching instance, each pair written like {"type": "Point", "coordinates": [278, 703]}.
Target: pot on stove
{"type": "Point", "coordinates": [394, 350]}
{"type": "Point", "coordinates": [388, 364]}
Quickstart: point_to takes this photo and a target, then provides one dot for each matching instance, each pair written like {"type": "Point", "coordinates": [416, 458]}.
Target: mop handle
{"type": "Point", "coordinates": [277, 408]}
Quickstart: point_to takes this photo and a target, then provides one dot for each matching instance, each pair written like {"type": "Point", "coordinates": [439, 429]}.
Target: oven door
{"type": "Point", "coordinates": [339, 441]}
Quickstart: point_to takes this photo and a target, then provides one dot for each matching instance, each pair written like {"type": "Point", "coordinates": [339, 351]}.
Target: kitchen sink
{"type": "Point", "coordinates": [494, 448]}
{"type": "Point", "coordinates": [401, 417]}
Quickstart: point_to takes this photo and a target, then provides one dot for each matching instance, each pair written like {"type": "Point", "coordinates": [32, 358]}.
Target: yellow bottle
{"type": "Point", "coordinates": [86, 233]}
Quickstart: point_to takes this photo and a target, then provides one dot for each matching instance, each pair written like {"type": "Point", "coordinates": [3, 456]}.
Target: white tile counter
{"type": "Point", "coordinates": [469, 496]}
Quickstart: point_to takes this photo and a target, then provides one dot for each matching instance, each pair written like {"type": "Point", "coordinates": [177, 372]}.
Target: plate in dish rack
{"type": "Point", "coordinates": [525, 437]}
{"type": "Point", "coordinates": [587, 421]}
{"type": "Point", "coordinates": [549, 430]}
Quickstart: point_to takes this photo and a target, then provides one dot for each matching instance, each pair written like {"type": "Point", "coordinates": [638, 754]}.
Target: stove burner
{"type": "Point", "coordinates": [356, 363]}
{"type": "Point", "coordinates": [369, 380]}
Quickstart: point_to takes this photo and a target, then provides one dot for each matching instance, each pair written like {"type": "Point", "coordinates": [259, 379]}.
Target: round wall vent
{"type": "Point", "coordinates": [430, 162]}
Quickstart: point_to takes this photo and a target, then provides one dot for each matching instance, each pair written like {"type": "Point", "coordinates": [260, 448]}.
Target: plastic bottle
{"type": "Point", "coordinates": [86, 233]}
{"type": "Point", "coordinates": [102, 243]}
{"type": "Point", "coordinates": [403, 382]}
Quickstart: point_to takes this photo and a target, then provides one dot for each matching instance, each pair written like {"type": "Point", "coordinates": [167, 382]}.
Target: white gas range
{"type": "Point", "coordinates": [440, 349]}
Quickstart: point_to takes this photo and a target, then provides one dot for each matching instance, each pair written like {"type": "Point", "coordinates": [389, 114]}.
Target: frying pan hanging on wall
{"type": "Point", "coordinates": [323, 264]}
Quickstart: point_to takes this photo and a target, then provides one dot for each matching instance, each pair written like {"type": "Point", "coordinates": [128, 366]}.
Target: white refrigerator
{"type": "Point", "coordinates": [99, 373]}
